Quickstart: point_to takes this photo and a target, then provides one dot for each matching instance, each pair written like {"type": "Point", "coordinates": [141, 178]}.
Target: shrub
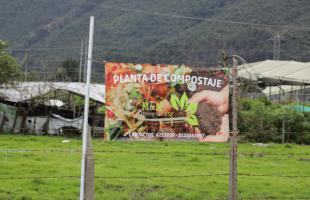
{"type": "Point", "coordinates": [261, 121]}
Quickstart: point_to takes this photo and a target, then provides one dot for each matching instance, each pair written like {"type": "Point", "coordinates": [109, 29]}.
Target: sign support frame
{"type": "Point", "coordinates": [233, 139]}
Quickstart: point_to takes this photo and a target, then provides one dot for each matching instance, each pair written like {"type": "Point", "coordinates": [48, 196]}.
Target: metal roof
{"type": "Point", "coordinates": [23, 91]}
{"type": "Point", "coordinates": [291, 72]}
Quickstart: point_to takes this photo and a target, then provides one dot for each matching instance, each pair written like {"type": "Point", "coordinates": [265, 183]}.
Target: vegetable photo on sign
{"type": "Point", "coordinates": [165, 102]}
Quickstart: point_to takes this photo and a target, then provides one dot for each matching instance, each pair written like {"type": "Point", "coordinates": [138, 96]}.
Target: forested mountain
{"type": "Point", "coordinates": [50, 31]}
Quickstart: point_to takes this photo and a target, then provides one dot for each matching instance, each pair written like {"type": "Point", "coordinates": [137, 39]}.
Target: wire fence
{"type": "Point", "coordinates": [150, 176]}
{"type": "Point", "coordinates": [165, 176]}
{"type": "Point", "coordinates": [226, 154]}
{"type": "Point", "coordinates": [286, 97]}
{"type": "Point", "coordinates": [250, 154]}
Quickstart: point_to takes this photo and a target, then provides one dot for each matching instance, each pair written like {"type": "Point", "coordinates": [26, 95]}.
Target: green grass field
{"type": "Point", "coordinates": [50, 157]}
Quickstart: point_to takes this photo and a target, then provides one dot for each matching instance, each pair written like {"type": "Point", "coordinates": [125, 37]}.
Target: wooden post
{"type": "Point", "coordinates": [300, 97]}
{"type": "Point", "coordinates": [291, 94]}
{"type": "Point", "coordinates": [283, 130]}
{"type": "Point", "coordinates": [74, 106]}
{"type": "Point", "coordinates": [69, 101]}
{"type": "Point", "coordinates": [24, 118]}
{"type": "Point", "coordinates": [93, 120]}
{"type": "Point", "coordinates": [269, 91]}
{"type": "Point", "coordinates": [34, 124]}
{"type": "Point", "coordinates": [233, 138]}
{"type": "Point", "coordinates": [48, 122]}
{"type": "Point", "coordinates": [2, 121]}
{"type": "Point", "coordinates": [15, 118]}
{"type": "Point", "coordinates": [279, 95]}
{"type": "Point", "coordinates": [303, 98]}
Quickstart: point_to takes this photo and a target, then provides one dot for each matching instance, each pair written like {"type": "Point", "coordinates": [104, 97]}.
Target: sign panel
{"type": "Point", "coordinates": [166, 102]}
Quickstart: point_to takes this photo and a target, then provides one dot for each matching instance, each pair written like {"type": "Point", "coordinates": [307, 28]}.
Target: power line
{"type": "Point", "coordinates": [72, 47]}
{"type": "Point", "coordinates": [306, 28]}
{"type": "Point", "coordinates": [44, 48]}
{"type": "Point", "coordinates": [156, 13]}
{"type": "Point", "coordinates": [173, 16]}
{"type": "Point", "coordinates": [100, 60]}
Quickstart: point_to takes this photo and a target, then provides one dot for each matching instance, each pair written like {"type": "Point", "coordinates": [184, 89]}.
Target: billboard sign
{"type": "Point", "coordinates": [166, 102]}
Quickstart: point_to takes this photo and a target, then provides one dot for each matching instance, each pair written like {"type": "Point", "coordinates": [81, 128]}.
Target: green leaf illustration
{"type": "Point", "coordinates": [191, 108]}
{"type": "Point", "coordinates": [183, 101]}
{"type": "Point", "coordinates": [173, 84]}
{"type": "Point", "coordinates": [175, 102]}
{"type": "Point", "coordinates": [178, 71]}
{"type": "Point", "coordinates": [192, 120]}
{"type": "Point", "coordinates": [134, 94]}
{"type": "Point", "coordinates": [226, 71]}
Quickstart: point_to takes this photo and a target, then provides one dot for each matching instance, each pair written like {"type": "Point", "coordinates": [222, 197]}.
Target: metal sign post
{"type": "Point", "coordinates": [233, 138]}
{"type": "Point", "coordinates": [86, 108]}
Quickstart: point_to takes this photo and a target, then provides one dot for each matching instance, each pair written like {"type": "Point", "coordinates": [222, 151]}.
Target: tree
{"type": "Point", "coordinates": [262, 121]}
{"type": "Point", "coordinates": [60, 75]}
{"type": "Point", "coordinates": [9, 68]}
{"type": "Point", "coordinates": [71, 68]}
{"type": "Point", "coordinates": [33, 76]}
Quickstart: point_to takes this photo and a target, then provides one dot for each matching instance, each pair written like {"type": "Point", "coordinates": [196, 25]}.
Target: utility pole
{"type": "Point", "coordinates": [86, 111]}
{"type": "Point", "coordinates": [24, 63]}
{"type": "Point", "coordinates": [276, 46]}
{"type": "Point", "coordinates": [279, 46]}
{"type": "Point", "coordinates": [277, 38]}
{"type": "Point", "coordinates": [81, 61]}
{"type": "Point", "coordinates": [26, 72]}
{"type": "Point", "coordinates": [85, 61]}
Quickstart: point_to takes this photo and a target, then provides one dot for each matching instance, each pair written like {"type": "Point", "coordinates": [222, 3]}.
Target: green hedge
{"type": "Point", "coordinates": [261, 121]}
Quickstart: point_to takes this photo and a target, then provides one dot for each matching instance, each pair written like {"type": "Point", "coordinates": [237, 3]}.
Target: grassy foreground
{"type": "Point", "coordinates": [118, 159]}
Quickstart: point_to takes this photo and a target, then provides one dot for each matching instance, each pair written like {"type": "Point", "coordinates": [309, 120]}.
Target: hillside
{"type": "Point", "coordinates": [51, 31]}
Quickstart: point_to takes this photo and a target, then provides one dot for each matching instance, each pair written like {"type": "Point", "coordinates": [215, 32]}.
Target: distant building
{"type": "Point", "coordinates": [49, 107]}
